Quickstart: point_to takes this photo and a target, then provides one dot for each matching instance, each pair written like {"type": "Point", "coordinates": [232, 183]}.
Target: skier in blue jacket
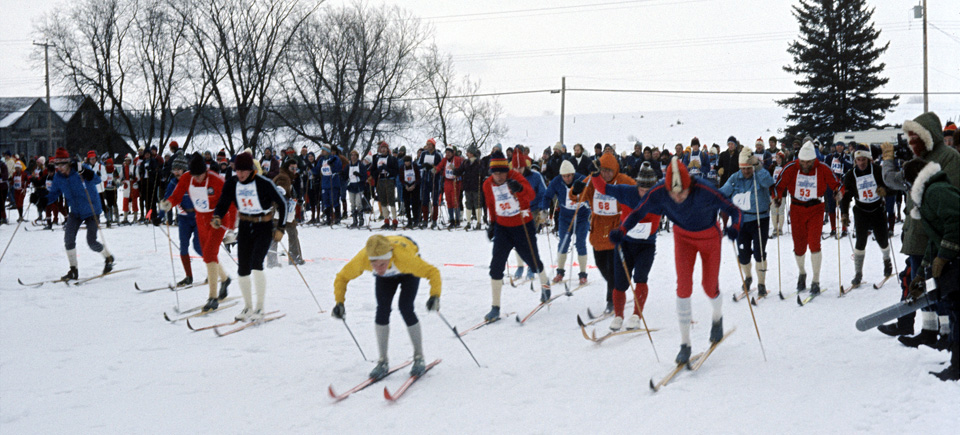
{"type": "Point", "coordinates": [559, 188]}
{"type": "Point", "coordinates": [78, 183]}
{"type": "Point", "coordinates": [749, 190]}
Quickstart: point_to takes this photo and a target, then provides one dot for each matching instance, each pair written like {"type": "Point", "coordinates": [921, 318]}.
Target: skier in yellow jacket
{"type": "Point", "coordinates": [395, 262]}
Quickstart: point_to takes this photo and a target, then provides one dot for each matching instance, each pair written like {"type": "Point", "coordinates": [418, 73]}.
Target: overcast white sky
{"type": "Point", "coordinates": [730, 45]}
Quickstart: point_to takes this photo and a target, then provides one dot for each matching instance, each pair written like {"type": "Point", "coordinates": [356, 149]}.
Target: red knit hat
{"type": "Point", "coordinates": [432, 141]}
{"type": "Point", "coordinates": [677, 177]}
{"type": "Point", "coordinates": [519, 159]}
{"type": "Point", "coordinates": [498, 163]}
{"type": "Point", "coordinates": [61, 156]}
{"type": "Point", "coordinates": [91, 154]}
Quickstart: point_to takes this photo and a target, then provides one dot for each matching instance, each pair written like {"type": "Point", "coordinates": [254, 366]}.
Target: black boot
{"type": "Point", "coordinates": [716, 331]}
{"type": "Point", "coordinates": [72, 274]}
{"type": "Point", "coordinates": [185, 282]}
{"type": "Point", "coordinates": [108, 264]}
{"type": "Point", "coordinates": [211, 304]}
{"type": "Point", "coordinates": [802, 282]}
{"type": "Point", "coordinates": [223, 289]}
{"type": "Point", "coordinates": [887, 267]}
{"type": "Point", "coordinates": [683, 356]}
{"type": "Point", "coordinates": [897, 329]}
{"type": "Point", "coordinates": [926, 337]}
{"type": "Point", "coordinates": [951, 373]}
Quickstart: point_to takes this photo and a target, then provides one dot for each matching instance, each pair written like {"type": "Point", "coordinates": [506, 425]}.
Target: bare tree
{"type": "Point", "coordinates": [482, 116]}
{"type": "Point", "coordinates": [239, 45]}
{"type": "Point", "coordinates": [438, 85]}
{"type": "Point", "coordinates": [347, 73]}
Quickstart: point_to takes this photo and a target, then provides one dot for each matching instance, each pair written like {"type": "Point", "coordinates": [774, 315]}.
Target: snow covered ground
{"type": "Point", "coordinates": [99, 358]}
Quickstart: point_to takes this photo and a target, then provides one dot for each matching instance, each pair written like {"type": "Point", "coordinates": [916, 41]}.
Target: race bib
{"type": "Point", "coordinates": [428, 159]}
{"type": "Point", "coordinates": [837, 166]}
{"type": "Point", "coordinates": [568, 203]}
{"type": "Point", "coordinates": [109, 181]}
{"type": "Point", "coordinates": [505, 203]}
{"type": "Point", "coordinates": [409, 176]}
{"type": "Point", "coordinates": [291, 210]}
{"type": "Point", "coordinates": [867, 188]}
{"type": "Point", "coordinates": [248, 202]}
{"type": "Point", "coordinates": [604, 205]}
{"type": "Point", "coordinates": [200, 198]}
{"type": "Point", "coordinates": [776, 172]}
{"type": "Point", "coordinates": [640, 232]}
{"type": "Point", "coordinates": [353, 178]}
{"type": "Point", "coordinates": [694, 172]}
{"type": "Point", "coordinates": [17, 184]}
{"type": "Point", "coordinates": [381, 163]}
{"type": "Point", "coordinates": [49, 183]}
{"type": "Point", "coordinates": [743, 200]}
{"type": "Point", "coordinates": [325, 169]}
{"type": "Point", "coordinates": [448, 170]}
{"type": "Point", "coordinates": [806, 187]}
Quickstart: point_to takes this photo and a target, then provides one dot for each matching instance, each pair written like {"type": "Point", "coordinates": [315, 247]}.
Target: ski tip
{"type": "Point", "coordinates": [217, 331]}
{"type": "Point", "coordinates": [166, 317]}
{"type": "Point", "coordinates": [189, 326]}
{"type": "Point", "coordinates": [590, 314]}
{"type": "Point", "coordinates": [330, 392]}
{"type": "Point", "coordinates": [386, 394]}
{"type": "Point", "coordinates": [799, 301]}
{"type": "Point", "coordinates": [136, 286]}
{"type": "Point", "coordinates": [580, 322]}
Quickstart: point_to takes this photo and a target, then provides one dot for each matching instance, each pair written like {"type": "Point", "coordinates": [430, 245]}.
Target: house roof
{"type": "Point", "coordinates": [13, 108]}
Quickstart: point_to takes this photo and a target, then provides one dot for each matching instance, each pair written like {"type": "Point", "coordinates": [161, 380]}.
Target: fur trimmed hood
{"type": "Point", "coordinates": [919, 185]}
{"type": "Point", "coordinates": [928, 127]}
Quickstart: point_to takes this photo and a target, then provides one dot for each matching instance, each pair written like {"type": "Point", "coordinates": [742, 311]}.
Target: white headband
{"type": "Point", "coordinates": [386, 256]}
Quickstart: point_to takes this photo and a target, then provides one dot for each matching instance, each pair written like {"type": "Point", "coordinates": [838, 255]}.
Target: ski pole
{"type": "Point", "coordinates": [752, 315]}
{"type": "Point", "coordinates": [11, 239]}
{"type": "Point", "coordinates": [173, 272]}
{"type": "Point", "coordinates": [779, 276]}
{"type": "Point", "coordinates": [636, 302]}
{"type": "Point", "coordinates": [304, 279]}
{"type": "Point", "coordinates": [839, 260]}
{"type": "Point", "coordinates": [454, 329]}
{"type": "Point", "coordinates": [354, 340]}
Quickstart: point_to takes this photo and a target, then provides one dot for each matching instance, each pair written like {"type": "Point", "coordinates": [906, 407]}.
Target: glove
{"type": "Point", "coordinates": [433, 304]}
{"type": "Point", "coordinates": [339, 311]}
{"type": "Point", "coordinates": [937, 268]}
{"type": "Point", "coordinates": [85, 173]}
{"type": "Point", "coordinates": [720, 172]}
{"type": "Point", "coordinates": [754, 161]}
{"type": "Point", "coordinates": [356, 174]}
{"type": "Point", "coordinates": [578, 187]}
{"type": "Point", "coordinates": [917, 287]}
{"type": "Point", "coordinates": [215, 222]}
{"type": "Point", "coordinates": [881, 192]}
{"type": "Point", "coordinates": [778, 201]}
{"type": "Point", "coordinates": [515, 186]}
{"type": "Point", "coordinates": [165, 205]}
{"type": "Point", "coordinates": [845, 219]}
{"type": "Point", "coordinates": [427, 166]}
{"type": "Point", "coordinates": [277, 235]}
{"type": "Point", "coordinates": [616, 236]}
{"type": "Point", "coordinates": [887, 149]}
{"type": "Point", "coordinates": [731, 232]}
{"type": "Point", "coordinates": [490, 231]}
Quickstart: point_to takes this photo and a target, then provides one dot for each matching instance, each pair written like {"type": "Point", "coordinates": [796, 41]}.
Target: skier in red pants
{"type": "Point", "coordinates": [807, 180]}
{"type": "Point", "coordinates": [692, 204]}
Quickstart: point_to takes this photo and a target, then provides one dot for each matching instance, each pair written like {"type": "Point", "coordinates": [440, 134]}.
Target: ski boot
{"type": "Point", "coordinates": [107, 264]}
{"type": "Point", "coordinates": [616, 324]}
{"type": "Point", "coordinates": [223, 289]}
{"type": "Point", "coordinates": [185, 282]}
{"type": "Point", "coordinates": [255, 315]}
{"type": "Point", "coordinates": [545, 293]}
{"type": "Point", "coordinates": [72, 274]}
{"type": "Point", "coordinates": [761, 291]}
{"type": "Point", "coordinates": [494, 314]}
{"type": "Point", "coordinates": [897, 329]}
{"type": "Point", "coordinates": [519, 273]}
{"type": "Point", "coordinates": [833, 233]}
{"type": "Point", "coordinates": [814, 288]}
{"type": "Point", "coordinates": [559, 276]}
{"type": "Point", "coordinates": [843, 234]}
{"type": "Point", "coordinates": [802, 282]}
{"type": "Point", "coordinates": [857, 279]}
{"type": "Point", "coordinates": [211, 304]}
{"type": "Point", "coordinates": [942, 343]}
{"type": "Point", "coordinates": [244, 315]}
{"type": "Point", "coordinates": [418, 366]}
{"type": "Point", "coordinates": [887, 267]}
{"type": "Point", "coordinates": [583, 278]}
{"type": "Point", "coordinates": [683, 357]}
{"type": "Point", "coordinates": [381, 370]}
{"type": "Point", "coordinates": [609, 308]}
{"type": "Point", "coordinates": [926, 337]}
{"type": "Point", "coordinates": [632, 323]}
{"type": "Point", "coordinates": [716, 331]}
{"type": "Point", "coordinates": [747, 282]}
{"type": "Point", "coordinates": [952, 372]}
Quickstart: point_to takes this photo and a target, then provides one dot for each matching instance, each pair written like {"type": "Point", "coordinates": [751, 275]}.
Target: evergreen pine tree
{"type": "Point", "coordinates": [838, 67]}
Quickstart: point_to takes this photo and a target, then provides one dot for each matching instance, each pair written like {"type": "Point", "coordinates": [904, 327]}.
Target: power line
{"type": "Point", "coordinates": [553, 10]}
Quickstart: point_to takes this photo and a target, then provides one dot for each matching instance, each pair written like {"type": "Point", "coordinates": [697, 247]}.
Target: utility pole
{"type": "Point", "coordinates": [926, 99]}
{"type": "Point", "coordinates": [918, 11]}
{"type": "Point", "coordinates": [563, 103]}
{"type": "Point", "coordinates": [46, 62]}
